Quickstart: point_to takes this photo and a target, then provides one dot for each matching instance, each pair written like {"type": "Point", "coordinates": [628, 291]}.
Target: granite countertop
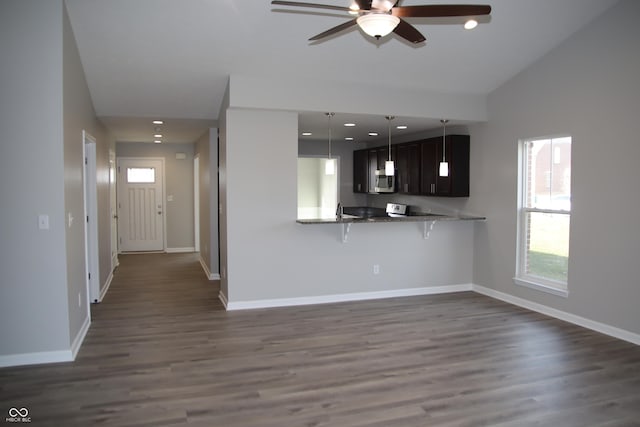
{"type": "Point", "coordinates": [415, 217]}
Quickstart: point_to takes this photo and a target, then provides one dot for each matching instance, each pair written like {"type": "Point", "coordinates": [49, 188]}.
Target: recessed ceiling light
{"type": "Point", "coordinates": [401, 127]}
{"type": "Point", "coordinates": [349, 125]}
{"type": "Point", "coordinates": [157, 141]}
{"type": "Point", "coordinates": [348, 138]}
{"type": "Point", "coordinates": [373, 133]}
{"type": "Point", "coordinates": [158, 122]}
{"type": "Point", "coordinates": [306, 134]}
{"type": "Point", "coordinates": [470, 24]}
{"type": "Point", "coordinates": [157, 135]}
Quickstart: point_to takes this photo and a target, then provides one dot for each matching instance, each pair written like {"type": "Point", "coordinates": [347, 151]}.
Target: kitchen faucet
{"type": "Point", "coordinates": [339, 211]}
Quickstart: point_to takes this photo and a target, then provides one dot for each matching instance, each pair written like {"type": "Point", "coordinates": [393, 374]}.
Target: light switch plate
{"type": "Point", "coordinates": [43, 222]}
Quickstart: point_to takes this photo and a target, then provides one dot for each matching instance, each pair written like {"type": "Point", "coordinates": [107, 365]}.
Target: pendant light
{"type": "Point", "coordinates": [389, 167]}
{"type": "Point", "coordinates": [444, 165]}
{"type": "Point", "coordinates": [329, 166]}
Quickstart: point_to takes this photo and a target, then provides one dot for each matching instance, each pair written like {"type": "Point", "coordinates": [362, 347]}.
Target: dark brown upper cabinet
{"type": "Point", "coordinates": [417, 167]}
{"type": "Point", "coordinates": [407, 161]}
{"type": "Point", "coordinates": [456, 184]}
{"type": "Point", "coordinates": [360, 171]}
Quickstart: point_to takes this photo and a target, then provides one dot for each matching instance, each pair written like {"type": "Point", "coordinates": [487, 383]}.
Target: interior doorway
{"type": "Point", "coordinates": [91, 217]}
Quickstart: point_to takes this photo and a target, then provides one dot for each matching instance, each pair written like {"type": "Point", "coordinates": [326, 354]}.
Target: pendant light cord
{"type": "Point", "coordinates": [389, 118]}
{"type": "Point", "coordinates": [329, 115]}
{"type": "Point", "coordinates": [444, 137]}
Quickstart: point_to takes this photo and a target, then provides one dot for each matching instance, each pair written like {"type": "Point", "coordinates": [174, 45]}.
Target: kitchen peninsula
{"type": "Point", "coordinates": [366, 215]}
{"type": "Point", "coordinates": [427, 217]}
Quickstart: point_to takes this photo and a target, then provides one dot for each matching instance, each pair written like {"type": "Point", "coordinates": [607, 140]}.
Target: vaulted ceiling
{"type": "Point", "coordinates": [171, 59]}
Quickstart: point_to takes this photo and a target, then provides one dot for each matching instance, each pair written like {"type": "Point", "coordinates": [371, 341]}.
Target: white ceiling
{"type": "Point", "coordinates": [170, 59]}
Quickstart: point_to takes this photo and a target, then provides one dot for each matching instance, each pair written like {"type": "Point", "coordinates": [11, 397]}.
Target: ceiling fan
{"type": "Point", "coordinates": [379, 18]}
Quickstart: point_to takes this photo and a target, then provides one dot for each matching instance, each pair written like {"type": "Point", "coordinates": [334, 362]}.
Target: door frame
{"type": "Point", "coordinates": [90, 187]}
{"type": "Point", "coordinates": [196, 203]}
{"type": "Point", "coordinates": [163, 195]}
{"type": "Point", "coordinates": [113, 209]}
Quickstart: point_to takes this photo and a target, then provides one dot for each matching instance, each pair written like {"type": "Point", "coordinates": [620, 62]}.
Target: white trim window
{"type": "Point", "coordinates": [544, 213]}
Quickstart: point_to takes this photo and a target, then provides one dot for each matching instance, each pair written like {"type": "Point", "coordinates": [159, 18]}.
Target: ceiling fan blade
{"type": "Point", "coordinates": [440, 10]}
{"type": "Point", "coordinates": [313, 5]}
{"type": "Point", "coordinates": [409, 32]}
{"type": "Point", "coordinates": [334, 30]}
{"type": "Point", "coordinates": [364, 4]}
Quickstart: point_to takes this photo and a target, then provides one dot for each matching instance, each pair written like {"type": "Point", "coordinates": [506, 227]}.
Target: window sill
{"type": "Point", "coordinates": [541, 287]}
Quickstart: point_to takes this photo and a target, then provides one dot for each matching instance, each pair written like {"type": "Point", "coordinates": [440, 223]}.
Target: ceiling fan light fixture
{"type": "Point", "coordinates": [470, 24]}
{"type": "Point", "coordinates": [378, 24]}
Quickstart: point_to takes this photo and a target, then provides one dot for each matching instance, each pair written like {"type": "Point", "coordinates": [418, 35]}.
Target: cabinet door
{"type": "Point", "coordinates": [372, 156]}
{"type": "Point", "coordinates": [407, 159]}
{"type": "Point", "coordinates": [428, 167]}
{"type": "Point", "coordinates": [402, 167]}
{"type": "Point", "coordinates": [383, 156]}
{"type": "Point", "coordinates": [457, 155]}
{"type": "Point", "coordinates": [413, 166]}
{"type": "Point", "coordinates": [360, 171]}
{"type": "Point", "coordinates": [443, 183]}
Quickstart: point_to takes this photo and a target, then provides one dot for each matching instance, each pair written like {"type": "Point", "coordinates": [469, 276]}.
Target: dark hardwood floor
{"type": "Point", "coordinates": [162, 351]}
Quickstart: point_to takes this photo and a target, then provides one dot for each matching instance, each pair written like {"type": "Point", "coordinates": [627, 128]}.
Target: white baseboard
{"type": "Point", "coordinates": [77, 341]}
{"type": "Point", "coordinates": [105, 288]}
{"type": "Point", "coordinates": [42, 357]}
{"type": "Point", "coordinates": [223, 299]}
{"type": "Point", "coordinates": [358, 296]}
{"type": "Point", "coordinates": [36, 358]}
{"type": "Point", "coordinates": [179, 250]}
{"type": "Point", "coordinates": [559, 314]}
{"type": "Point", "coordinates": [210, 275]}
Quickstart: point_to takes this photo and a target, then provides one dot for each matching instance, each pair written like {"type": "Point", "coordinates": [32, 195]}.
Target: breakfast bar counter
{"type": "Point", "coordinates": [427, 217]}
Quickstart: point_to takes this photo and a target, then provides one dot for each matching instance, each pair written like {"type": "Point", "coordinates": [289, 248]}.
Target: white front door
{"type": "Point", "coordinates": [140, 204]}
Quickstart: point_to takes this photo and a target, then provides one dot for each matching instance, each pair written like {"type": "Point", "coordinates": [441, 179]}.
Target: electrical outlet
{"type": "Point", "coordinates": [376, 269]}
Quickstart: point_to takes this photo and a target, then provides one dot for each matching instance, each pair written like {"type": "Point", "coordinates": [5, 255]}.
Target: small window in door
{"type": "Point", "coordinates": [141, 175]}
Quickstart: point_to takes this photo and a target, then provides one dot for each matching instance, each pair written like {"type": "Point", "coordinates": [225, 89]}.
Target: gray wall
{"type": "Point", "coordinates": [78, 116]}
{"type": "Point", "coordinates": [206, 149]}
{"type": "Point", "coordinates": [588, 87]}
{"type": "Point", "coordinates": [45, 105]}
{"type": "Point", "coordinates": [178, 183]}
{"type": "Point", "coordinates": [33, 306]}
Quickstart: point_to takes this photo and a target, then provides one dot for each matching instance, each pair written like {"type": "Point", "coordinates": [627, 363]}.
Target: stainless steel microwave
{"type": "Point", "coordinates": [384, 183]}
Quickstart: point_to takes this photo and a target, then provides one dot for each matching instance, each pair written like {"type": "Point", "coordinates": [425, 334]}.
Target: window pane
{"type": "Point", "coordinates": [141, 175]}
{"type": "Point", "coordinates": [547, 246]}
{"type": "Point", "coordinates": [317, 190]}
{"type": "Point", "coordinates": [548, 184]}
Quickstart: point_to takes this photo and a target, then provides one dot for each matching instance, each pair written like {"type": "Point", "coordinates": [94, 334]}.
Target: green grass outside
{"type": "Point", "coordinates": [550, 266]}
